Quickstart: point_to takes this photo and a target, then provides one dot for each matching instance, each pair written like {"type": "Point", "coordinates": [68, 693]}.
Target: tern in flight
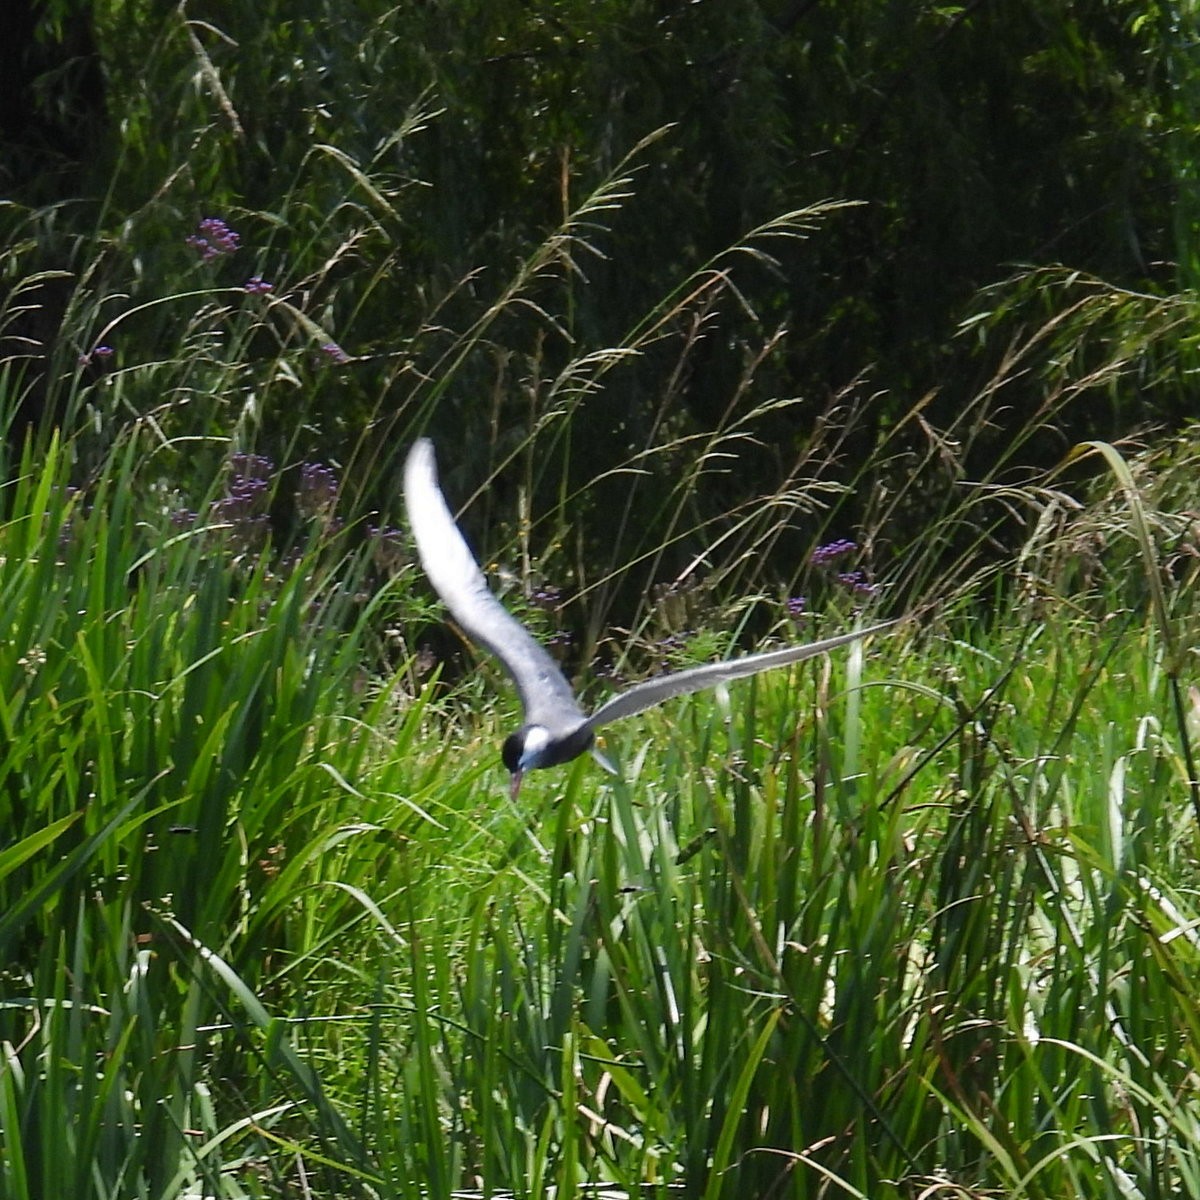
{"type": "Point", "coordinates": [556, 729]}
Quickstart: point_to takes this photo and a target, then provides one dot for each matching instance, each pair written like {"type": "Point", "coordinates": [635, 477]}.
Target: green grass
{"type": "Point", "coordinates": [918, 920]}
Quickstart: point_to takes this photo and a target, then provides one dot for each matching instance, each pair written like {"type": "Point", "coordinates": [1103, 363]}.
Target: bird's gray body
{"type": "Point", "coordinates": [556, 729]}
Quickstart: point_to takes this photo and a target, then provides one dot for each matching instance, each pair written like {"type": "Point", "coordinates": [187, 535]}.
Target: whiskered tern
{"type": "Point", "coordinates": [556, 729]}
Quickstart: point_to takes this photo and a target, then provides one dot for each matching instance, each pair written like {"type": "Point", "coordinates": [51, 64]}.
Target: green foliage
{"type": "Point", "coordinates": [448, 195]}
{"type": "Point", "coordinates": [160, 708]}
{"type": "Point", "coordinates": [916, 921]}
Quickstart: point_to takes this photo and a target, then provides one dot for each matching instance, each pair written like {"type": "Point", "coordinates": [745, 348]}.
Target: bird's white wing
{"type": "Point", "coordinates": [545, 694]}
{"type": "Point", "coordinates": [654, 691]}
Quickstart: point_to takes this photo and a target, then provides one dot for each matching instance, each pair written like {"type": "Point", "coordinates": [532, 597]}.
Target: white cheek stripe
{"type": "Point", "coordinates": [537, 738]}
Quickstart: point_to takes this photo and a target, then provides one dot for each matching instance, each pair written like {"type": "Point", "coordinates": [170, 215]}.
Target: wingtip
{"type": "Point", "coordinates": [420, 467]}
{"type": "Point", "coordinates": [421, 453]}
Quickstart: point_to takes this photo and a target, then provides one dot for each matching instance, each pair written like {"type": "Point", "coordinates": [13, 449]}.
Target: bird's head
{"type": "Point", "coordinates": [525, 750]}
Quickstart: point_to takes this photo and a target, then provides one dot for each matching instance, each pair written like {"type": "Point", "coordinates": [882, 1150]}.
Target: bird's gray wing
{"type": "Point", "coordinates": [654, 691]}
{"type": "Point", "coordinates": [545, 694]}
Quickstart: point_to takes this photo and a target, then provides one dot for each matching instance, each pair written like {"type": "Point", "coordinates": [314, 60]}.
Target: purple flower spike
{"type": "Point", "coordinates": [256, 285]}
{"type": "Point", "coordinates": [250, 466]}
{"type": "Point", "coordinates": [824, 556]}
{"type": "Point", "coordinates": [387, 547]}
{"type": "Point", "coordinates": [244, 507]}
{"type": "Point", "coordinates": [318, 490]}
{"type": "Point", "coordinates": [246, 498]}
{"type": "Point", "coordinates": [548, 597]}
{"type": "Point", "coordinates": [333, 351]}
{"type": "Point", "coordinates": [214, 238]}
{"type": "Point", "coordinates": [796, 606]}
{"type": "Point", "coordinates": [857, 582]}
{"type": "Point", "coordinates": [86, 360]}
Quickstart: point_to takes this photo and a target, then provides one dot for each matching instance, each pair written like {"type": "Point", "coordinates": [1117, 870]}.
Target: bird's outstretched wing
{"type": "Point", "coordinates": [654, 691]}
{"type": "Point", "coordinates": [545, 694]}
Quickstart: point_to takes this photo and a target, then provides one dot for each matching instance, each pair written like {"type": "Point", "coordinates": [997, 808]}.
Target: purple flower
{"type": "Point", "coordinates": [244, 510]}
{"type": "Point", "coordinates": [256, 285]}
{"type": "Point", "coordinates": [102, 351]}
{"type": "Point", "coordinates": [547, 597]}
{"type": "Point", "coordinates": [334, 352]}
{"type": "Point", "coordinates": [250, 466]}
{"type": "Point", "coordinates": [244, 506]}
{"type": "Point", "coordinates": [214, 238]}
{"type": "Point", "coordinates": [675, 641]}
{"type": "Point", "coordinates": [387, 547]}
{"type": "Point", "coordinates": [318, 490]}
{"type": "Point", "coordinates": [247, 499]}
{"type": "Point", "coordinates": [857, 582]}
{"type": "Point", "coordinates": [824, 556]}
{"type": "Point", "coordinates": [796, 606]}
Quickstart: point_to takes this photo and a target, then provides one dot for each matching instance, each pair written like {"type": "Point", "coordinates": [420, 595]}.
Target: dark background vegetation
{"type": "Point", "coordinates": [1024, 172]}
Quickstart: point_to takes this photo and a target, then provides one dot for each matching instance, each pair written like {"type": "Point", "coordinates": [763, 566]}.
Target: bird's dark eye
{"type": "Point", "coordinates": [514, 746]}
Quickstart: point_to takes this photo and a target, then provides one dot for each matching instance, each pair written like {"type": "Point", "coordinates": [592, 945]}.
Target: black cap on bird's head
{"type": "Point", "coordinates": [514, 749]}
{"type": "Point", "coordinates": [534, 746]}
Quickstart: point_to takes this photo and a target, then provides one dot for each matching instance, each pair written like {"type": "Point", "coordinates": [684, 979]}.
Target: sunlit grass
{"type": "Point", "coordinates": [918, 917]}
{"type": "Point", "coordinates": [917, 920]}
